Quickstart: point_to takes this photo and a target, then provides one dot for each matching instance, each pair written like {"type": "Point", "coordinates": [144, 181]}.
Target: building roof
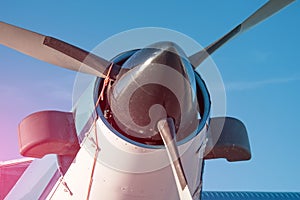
{"type": "Point", "coordinates": [210, 195]}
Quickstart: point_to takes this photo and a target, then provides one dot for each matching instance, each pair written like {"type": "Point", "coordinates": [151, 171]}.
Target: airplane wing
{"type": "Point", "coordinates": [10, 172]}
{"type": "Point", "coordinates": [212, 195]}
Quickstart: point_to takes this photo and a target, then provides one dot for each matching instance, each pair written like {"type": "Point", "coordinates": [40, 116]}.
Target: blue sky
{"type": "Point", "coordinates": [260, 70]}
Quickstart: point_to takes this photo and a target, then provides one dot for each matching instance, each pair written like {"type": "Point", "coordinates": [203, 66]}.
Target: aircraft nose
{"type": "Point", "coordinates": [160, 83]}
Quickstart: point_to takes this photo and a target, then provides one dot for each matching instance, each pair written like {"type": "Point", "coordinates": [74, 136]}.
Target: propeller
{"type": "Point", "coordinates": [167, 132]}
{"type": "Point", "coordinates": [55, 51]}
{"type": "Point", "coordinates": [270, 8]}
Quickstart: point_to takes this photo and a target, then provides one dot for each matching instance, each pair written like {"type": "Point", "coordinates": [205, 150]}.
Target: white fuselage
{"type": "Point", "coordinates": [125, 171]}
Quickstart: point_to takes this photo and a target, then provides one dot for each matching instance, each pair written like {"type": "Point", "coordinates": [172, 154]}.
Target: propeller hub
{"type": "Point", "coordinates": [154, 83]}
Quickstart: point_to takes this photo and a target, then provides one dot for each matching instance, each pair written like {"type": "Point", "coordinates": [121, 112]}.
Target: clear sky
{"type": "Point", "coordinates": [260, 70]}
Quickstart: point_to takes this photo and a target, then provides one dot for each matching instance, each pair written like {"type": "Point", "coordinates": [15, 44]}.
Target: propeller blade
{"type": "Point", "coordinates": [267, 10]}
{"type": "Point", "coordinates": [54, 51]}
{"type": "Point", "coordinates": [166, 128]}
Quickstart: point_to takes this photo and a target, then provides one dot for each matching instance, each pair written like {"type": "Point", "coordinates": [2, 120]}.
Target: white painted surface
{"type": "Point", "coordinates": [124, 171]}
{"type": "Point", "coordinates": [34, 180]}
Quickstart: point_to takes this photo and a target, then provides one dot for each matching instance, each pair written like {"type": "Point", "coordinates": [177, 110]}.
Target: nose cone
{"type": "Point", "coordinates": [160, 83]}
